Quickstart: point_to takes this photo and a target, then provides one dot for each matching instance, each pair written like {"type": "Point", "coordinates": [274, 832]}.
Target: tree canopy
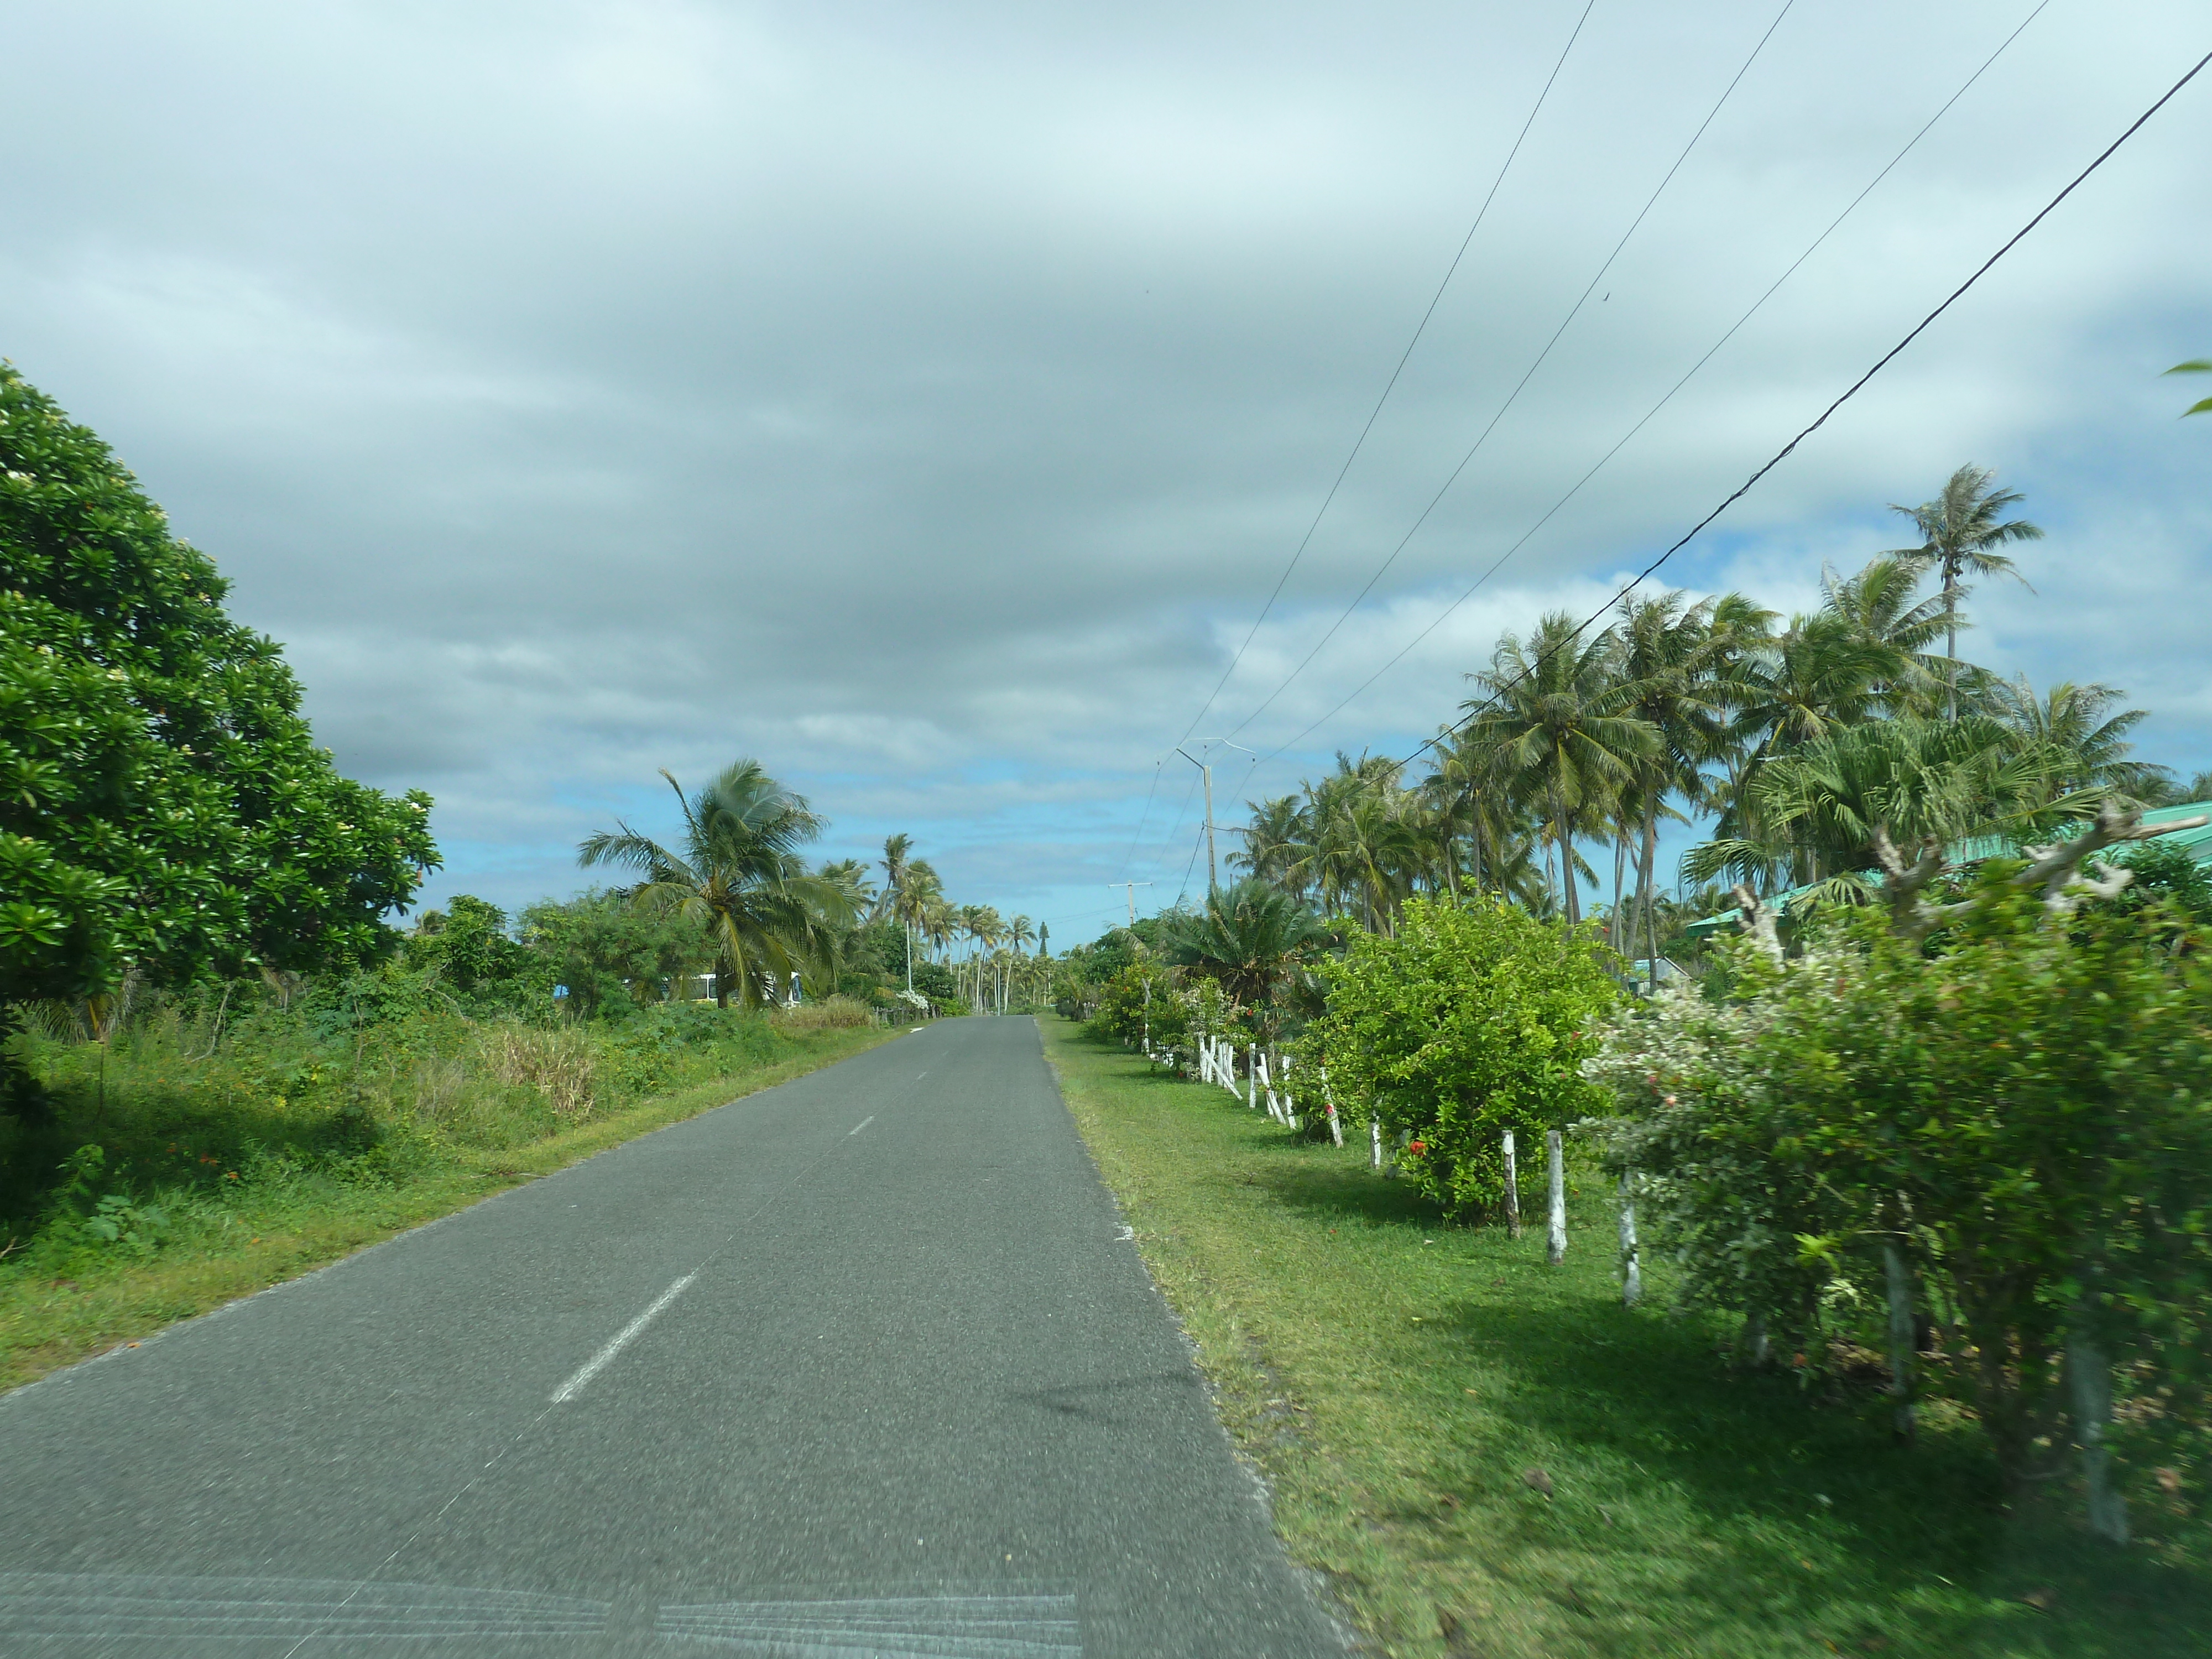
{"type": "Point", "coordinates": [163, 807]}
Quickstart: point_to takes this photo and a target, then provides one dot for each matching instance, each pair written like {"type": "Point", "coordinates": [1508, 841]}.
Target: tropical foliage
{"type": "Point", "coordinates": [165, 815]}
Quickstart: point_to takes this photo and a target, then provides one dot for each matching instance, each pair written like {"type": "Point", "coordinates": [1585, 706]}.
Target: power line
{"type": "Point", "coordinates": [1782, 454]}
{"type": "Point", "coordinates": [1120, 869]}
{"type": "Point", "coordinates": [1159, 859]}
{"type": "Point", "coordinates": [1404, 357]}
{"type": "Point", "coordinates": [1512, 397]}
{"type": "Point", "coordinates": [1599, 466]}
{"type": "Point", "coordinates": [1185, 887]}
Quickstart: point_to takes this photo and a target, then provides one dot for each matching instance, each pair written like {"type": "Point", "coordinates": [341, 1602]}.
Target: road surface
{"type": "Point", "coordinates": [859, 1365]}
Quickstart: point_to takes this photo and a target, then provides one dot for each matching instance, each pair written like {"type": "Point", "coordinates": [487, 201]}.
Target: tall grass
{"type": "Point", "coordinates": [208, 1123]}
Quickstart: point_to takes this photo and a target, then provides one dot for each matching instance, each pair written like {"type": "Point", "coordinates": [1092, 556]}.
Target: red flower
{"type": "Point", "coordinates": [1417, 1147]}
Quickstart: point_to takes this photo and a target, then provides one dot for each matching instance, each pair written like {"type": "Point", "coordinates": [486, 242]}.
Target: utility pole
{"type": "Point", "coordinates": [1133, 886]}
{"type": "Point", "coordinates": [1213, 878]}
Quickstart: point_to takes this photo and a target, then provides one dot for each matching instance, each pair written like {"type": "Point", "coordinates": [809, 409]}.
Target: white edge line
{"type": "Point", "coordinates": [861, 1124]}
{"type": "Point", "coordinates": [597, 1363]}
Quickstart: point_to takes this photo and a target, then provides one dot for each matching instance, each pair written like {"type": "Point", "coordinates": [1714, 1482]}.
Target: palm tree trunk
{"type": "Point", "coordinates": [1951, 635]}
{"type": "Point", "coordinates": [1568, 885]}
{"type": "Point", "coordinates": [1614, 933]}
{"type": "Point", "coordinates": [1644, 885]}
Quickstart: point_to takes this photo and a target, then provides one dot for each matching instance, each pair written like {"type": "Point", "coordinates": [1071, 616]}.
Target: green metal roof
{"type": "Point", "coordinates": [1975, 848]}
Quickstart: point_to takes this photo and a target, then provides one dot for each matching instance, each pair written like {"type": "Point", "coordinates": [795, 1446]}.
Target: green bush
{"type": "Point", "coordinates": [1141, 997]}
{"type": "Point", "coordinates": [1475, 1019]}
{"type": "Point", "coordinates": [2023, 1111]}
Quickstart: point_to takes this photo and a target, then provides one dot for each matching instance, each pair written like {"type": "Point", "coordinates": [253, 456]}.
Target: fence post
{"type": "Point", "coordinates": [1512, 1190]}
{"type": "Point", "coordinates": [1631, 1261]}
{"type": "Point", "coordinates": [2089, 1383]}
{"type": "Point", "coordinates": [1553, 1153]}
{"type": "Point", "coordinates": [1897, 1283]}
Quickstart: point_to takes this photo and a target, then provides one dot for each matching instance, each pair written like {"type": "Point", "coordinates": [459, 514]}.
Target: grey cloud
{"type": "Point", "coordinates": [925, 400]}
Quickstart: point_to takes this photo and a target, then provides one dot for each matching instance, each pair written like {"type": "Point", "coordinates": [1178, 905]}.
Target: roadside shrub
{"type": "Point", "coordinates": [2023, 1112]}
{"type": "Point", "coordinates": [1475, 1019]}
{"type": "Point", "coordinates": [1141, 997]}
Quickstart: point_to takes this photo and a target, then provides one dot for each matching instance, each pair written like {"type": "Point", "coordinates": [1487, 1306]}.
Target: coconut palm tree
{"type": "Point", "coordinates": [1881, 606]}
{"type": "Point", "coordinates": [1960, 531]}
{"type": "Point", "coordinates": [737, 874]}
{"type": "Point", "coordinates": [1672, 654]}
{"type": "Point", "coordinates": [1274, 840]}
{"type": "Point", "coordinates": [1560, 721]}
{"type": "Point", "coordinates": [2089, 744]}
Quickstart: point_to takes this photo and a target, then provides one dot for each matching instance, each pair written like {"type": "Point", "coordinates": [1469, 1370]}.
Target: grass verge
{"type": "Point", "coordinates": [287, 1224]}
{"type": "Point", "coordinates": [1488, 1456]}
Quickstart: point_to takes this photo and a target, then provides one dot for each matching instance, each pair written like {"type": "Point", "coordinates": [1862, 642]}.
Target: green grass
{"type": "Point", "coordinates": [283, 1218]}
{"type": "Point", "coordinates": [1398, 1380]}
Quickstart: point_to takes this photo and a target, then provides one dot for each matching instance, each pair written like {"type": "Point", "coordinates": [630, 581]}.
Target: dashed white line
{"type": "Point", "coordinates": [861, 1124]}
{"type": "Point", "coordinates": [597, 1363]}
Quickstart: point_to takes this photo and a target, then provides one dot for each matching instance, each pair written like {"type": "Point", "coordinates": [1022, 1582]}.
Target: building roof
{"type": "Point", "coordinates": [1974, 848]}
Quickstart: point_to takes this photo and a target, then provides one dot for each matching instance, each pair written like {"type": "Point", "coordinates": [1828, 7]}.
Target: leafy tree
{"type": "Point", "coordinates": [163, 807]}
{"type": "Point", "coordinates": [738, 877]}
{"type": "Point", "coordinates": [612, 954]}
{"type": "Point", "coordinates": [466, 945]}
{"type": "Point", "coordinates": [1475, 1019]}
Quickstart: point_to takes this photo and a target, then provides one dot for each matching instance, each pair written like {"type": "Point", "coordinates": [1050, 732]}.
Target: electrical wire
{"type": "Point", "coordinates": [1734, 328]}
{"type": "Point", "coordinates": [1122, 868]}
{"type": "Point", "coordinates": [1513, 397]}
{"type": "Point", "coordinates": [1159, 859]}
{"type": "Point", "coordinates": [1782, 454]}
{"type": "Point", "coordinates": [1403, 358]}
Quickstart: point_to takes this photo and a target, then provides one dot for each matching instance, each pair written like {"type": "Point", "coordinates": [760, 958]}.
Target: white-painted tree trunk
{"type": "Point", "coordinates": [1632, 1260]}
{"type": "Point", "coordinates": [1756, 1341]}
{"type": "Point", "coordinates": [1375, 1133]}
{"type": "Point", "coordinates": [1897, 1281]}
{"type": "Point", "coordinates": [1512, 1190]}
{"type": "Point", "coordinates": [1336, 1123]}
{"type": "Point", "coordinates": [1251, 1076]}
{"type": "Point", "coordinates": [1555, 1155]}
{"type": "Point", "coordinates": [2089, 1383]}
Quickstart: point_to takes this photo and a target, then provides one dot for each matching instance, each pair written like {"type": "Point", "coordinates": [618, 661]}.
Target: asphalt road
{"type": "Point", "coordinates": [858, 1365]}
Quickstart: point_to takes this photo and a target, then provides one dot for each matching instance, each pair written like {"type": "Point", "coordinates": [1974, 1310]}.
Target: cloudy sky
{"type": "Point", "coordinates": [926, 398]}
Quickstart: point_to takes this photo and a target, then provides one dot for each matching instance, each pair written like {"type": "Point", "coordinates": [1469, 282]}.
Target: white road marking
{"type": "Point", "coordinates": [598, 1362]}
{"type": "Point", "coordinates": [1126, 1233]}
{"type": "Point", "coordinates": [861, 1124]}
